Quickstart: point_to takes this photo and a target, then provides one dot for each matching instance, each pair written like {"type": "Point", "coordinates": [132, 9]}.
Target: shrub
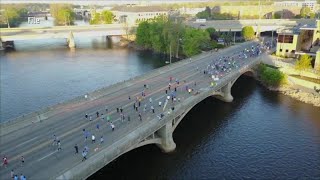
{"type": "Point", "coordinates": [248, 33]}
{"type": "Point", "coordinates": [304, 62]}
{"type": "Point", "coordinates": [270, 76]}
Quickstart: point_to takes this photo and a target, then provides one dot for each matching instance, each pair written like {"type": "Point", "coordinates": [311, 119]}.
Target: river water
{"type": "Point", "coordinates": [260, 135]}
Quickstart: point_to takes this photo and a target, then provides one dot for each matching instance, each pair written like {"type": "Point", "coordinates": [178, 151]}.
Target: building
{"type": "Point", "coordinates": [307, 3]}
{"type": "Point", "coordinates": [303, 39]}
{"type": "Point", "coordinates": [133, 14]}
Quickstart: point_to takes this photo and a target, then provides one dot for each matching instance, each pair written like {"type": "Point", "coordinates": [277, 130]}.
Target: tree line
{"type": "Point", "coordinates": [163, 35]}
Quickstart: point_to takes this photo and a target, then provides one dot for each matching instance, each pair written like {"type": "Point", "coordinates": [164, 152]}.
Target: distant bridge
{"type": "Point", "coordinates": [13, 34]}
{"type": "Point", "coordinates": [59, 32]}
{"type": "Point", "coordinates": [237, 25]}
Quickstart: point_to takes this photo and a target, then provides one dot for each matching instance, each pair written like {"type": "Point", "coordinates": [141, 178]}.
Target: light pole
{"type": "Point", "coordinates": [170, 52]}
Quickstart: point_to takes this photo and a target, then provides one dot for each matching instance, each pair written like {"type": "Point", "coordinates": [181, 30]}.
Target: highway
{"type": "Point", "coordinates": [34, 142]}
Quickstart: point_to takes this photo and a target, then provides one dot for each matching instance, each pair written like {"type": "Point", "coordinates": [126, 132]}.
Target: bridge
{"type": "Point", "coordinates": [31, 135]}
{"type": "Point", "coordinates": [62, 32]}
{"type": "Point", "coordinates": [262, 25]}
{"type": "Point", "coordinates": [9, 35]}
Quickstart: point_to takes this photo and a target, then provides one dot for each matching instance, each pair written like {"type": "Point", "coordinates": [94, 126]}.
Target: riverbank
{"type": "Point", "coordinates": [298, 94]}
{"type": "Point", "coordinates": [295, 92]}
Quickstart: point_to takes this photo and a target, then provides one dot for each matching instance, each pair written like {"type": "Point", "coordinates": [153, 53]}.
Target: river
{"type": "Point", "coordinates": [260, 135]}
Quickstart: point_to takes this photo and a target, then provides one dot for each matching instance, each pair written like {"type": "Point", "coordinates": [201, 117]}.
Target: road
{"type": "Point", "coordinates": [34, 142]}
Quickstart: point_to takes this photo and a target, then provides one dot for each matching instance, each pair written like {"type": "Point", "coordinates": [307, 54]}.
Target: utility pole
{"type": "Point", "coordinates": [258, 27]}
{"type": "Point", "coordinates": [170, 52]}
{"type": "Point", "coordinates": [272, 39]}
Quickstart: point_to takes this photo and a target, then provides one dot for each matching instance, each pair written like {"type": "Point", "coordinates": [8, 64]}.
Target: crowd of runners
{"type": "Point", "coordinates": [141, 106]}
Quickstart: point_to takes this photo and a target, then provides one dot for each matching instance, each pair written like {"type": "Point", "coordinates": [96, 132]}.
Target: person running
{"type": "Point", "coordinates": [152, 108]}
{"type": "Point", "coordinates": [121, 110]}
{"type": "Point", "coordinates": [76, 148]}
{"type": "Point", "coordinates": [86, 116]}
{"type": "Point", "coordinates": [101, 140]}
{"type": "Point", "coordinates": [90, 118]}
{"type": "Point", "coordinates": [15, 177]}
{"type": "Point", "coordinates": [84, 155]}
{"type": "Point", "coordinates": [150, 100]}
{"type": "Point", "coordinates": [54, 140]}
{"type": "Point", "coordinates": [93, 138]}
{"type": "Point", "coordinates": [12, 174]}
{"type": "Point", "coordinates": [160, 103]}
{"type": "Point", "coordinates": [117, 110]}
{"type": "Point", "coordinates": [112, 126]}
{"type": "Point", "coordinates": [59, 145]}
{"type": "Point", "coordinates": [166, 91]}
{"type": "Point", "coordinates": [22, 160]}
{"type": "Point", "coordinates": [21, 177]}
{"type": "Point", "coordinates": [140, 117]}
{"type": "Point", "coordinates": [97, 114]}
{"type": "Point", "coordinates": [98, 127]}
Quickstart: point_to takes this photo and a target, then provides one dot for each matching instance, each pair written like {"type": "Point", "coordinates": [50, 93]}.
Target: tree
{"type": "Point", "coordinates": [106, 17]}
{"type": "Point", "coordinates": [312, 15]}
{"type": "Point", "coordinates": [143, 34]}
{"type": "Point", "coordinates": [276, 15]}
{"type": "Point", "coordinates": [248, 33]}
{"type": "Point", "coordinates": [193, 40]}
{"type": "Point", "coordinates": [62, 13]}
{"type": "Point", "coordinates": [212, 33]}
{"type": "Point", "coordinates": [206, 14]}
{"type": "Point", "coordinates": [304, 62]}
{"type": "Point", "coordinates": [305, 11]}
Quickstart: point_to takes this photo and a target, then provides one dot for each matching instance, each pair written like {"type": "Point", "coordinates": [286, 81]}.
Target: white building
{"type": "Point", "coordinates": [136, 14]}
{"type": "Point", "coordinates": [307, 3]}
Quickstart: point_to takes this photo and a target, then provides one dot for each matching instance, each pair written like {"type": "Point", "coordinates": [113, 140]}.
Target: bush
{"type": "Point", "coordinates": [248, 33]}
{"type": "Point", "coordinates": [304, 62]}
{"type": "Point", "coordinates": [270, 76]}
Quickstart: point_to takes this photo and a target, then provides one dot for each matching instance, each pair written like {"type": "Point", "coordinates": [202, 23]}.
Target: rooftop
{"type": "Point", "coordinates": [138, 8]}
{"type": "Point", "coordinates": [298, 28]}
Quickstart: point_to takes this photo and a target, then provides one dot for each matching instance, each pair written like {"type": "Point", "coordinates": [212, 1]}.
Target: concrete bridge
{"type": "Point", "coordinates": [30, 135]}
{"type": "Point", "coordinates": [262, 25]}
{"type": "Point", "coordinates": [9, 35]}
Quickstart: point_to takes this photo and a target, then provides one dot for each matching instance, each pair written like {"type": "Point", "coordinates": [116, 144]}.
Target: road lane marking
{"type": "Point", "coordinates": [26, 142]}
{"type": "Point", "coordinates": [46, 156]}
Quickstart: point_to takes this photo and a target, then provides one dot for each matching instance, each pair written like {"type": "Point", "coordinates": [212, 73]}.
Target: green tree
{"type": "Point", "coordinates": [276, 15]}
{"type": "Point", "coordinates": [203, 15]}
{"type": "Point", "coordinates": [194, 39]}
{"type": "Point", "coordinates": [106, 17]}
{"type": "Point", "coordinates": [62, 13]}
{"type": "Point", "coordinates": [248, 33]}
{"type": "Point", "coordinates": [304, 62]}
{"type": "Point", "coordinates": [312, 15]}
{"type": "Point", "coordinates": [143, 35]}
{"type": "Point", "coordinates": [304, 12]}
{"type": "Point", "coordinates": [212, 33]}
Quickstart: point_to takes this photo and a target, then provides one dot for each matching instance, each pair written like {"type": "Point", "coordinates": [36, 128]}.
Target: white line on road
{"type": "Point", "coordinates": [26, 142]}
{"type": "Point", "coordinates": [47, 156]}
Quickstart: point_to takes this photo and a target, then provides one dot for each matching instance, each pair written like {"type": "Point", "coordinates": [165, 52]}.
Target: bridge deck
{"type": "Point", "coordinates": [34, 142]}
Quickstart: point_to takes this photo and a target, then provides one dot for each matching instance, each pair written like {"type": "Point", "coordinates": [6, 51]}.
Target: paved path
{"type": "Point", "coordinates": [34, 142]}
